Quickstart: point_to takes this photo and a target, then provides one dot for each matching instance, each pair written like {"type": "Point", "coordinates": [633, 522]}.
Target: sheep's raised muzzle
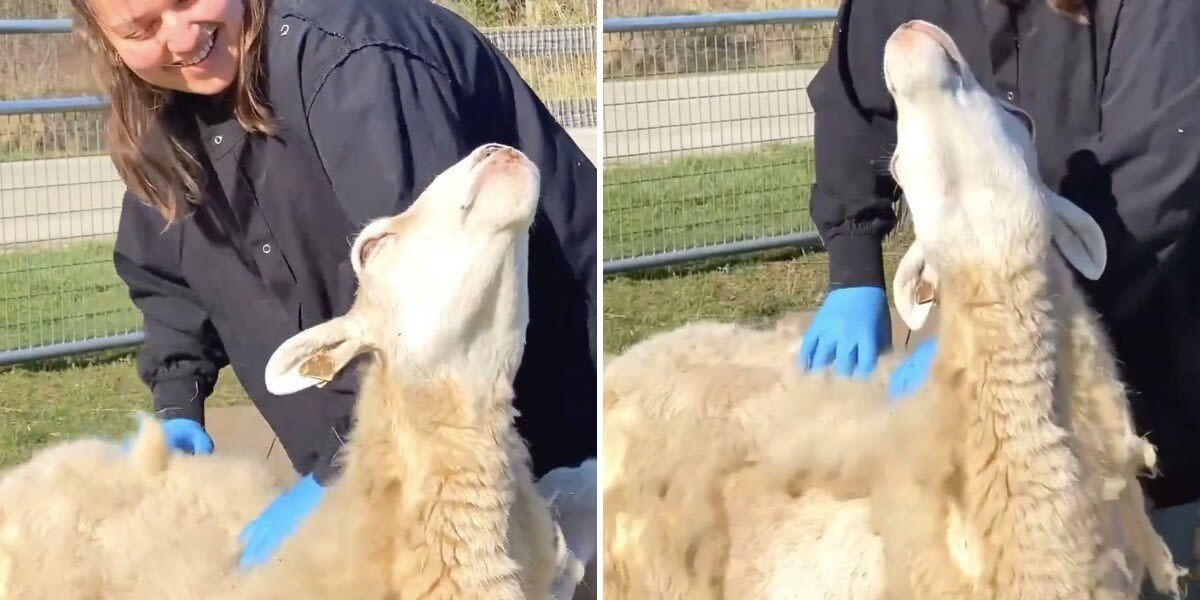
{"type": "Point", "coordinates": [918, 31]}
{"type": "Point", "coordinates": [515, 176]}
{"type": "Point", "coordinates": [919, 55]}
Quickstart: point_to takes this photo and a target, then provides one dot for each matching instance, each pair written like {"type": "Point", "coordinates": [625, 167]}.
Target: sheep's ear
{"type": "Point", "coordinates": [915, 286]}
{"type": "Point", "coordinates": [1077, 236]}
{"type": "Point", "coordinates": [314, 356]}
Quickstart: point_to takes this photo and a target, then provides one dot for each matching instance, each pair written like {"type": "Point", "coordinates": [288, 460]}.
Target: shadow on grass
{"type": "Point", "coordinates": [77, 361]}
{"type": "Point", "coordinates": [897, 241]}
{"type": "Point", "coordinates": [717, 264]}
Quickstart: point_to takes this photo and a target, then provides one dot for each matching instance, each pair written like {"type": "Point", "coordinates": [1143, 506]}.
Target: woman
{"type": "Point", "coordinates": [1113, 87]}
{"type": "Point", "coordinates": [256, 138]}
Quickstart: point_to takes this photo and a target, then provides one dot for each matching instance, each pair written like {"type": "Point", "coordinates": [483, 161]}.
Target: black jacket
{"type": "Point", "coordinates": [1117, 113]}
{"type": "Point", "coordinates": [371, 99]}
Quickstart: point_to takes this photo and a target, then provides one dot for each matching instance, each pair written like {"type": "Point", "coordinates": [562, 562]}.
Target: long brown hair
{"type": "Point", "coordinates": [141, 132]}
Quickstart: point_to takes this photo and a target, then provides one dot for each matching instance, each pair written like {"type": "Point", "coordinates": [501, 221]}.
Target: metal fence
{"type": "Point", "coordinates": [60, 195]}
{"type": "Point", "coordinates": [708, 134]}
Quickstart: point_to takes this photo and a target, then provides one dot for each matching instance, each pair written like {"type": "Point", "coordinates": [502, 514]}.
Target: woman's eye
{"type": "Point", "coordinates": [137, 34]}
{"type": "Point", "coordinates": [142, 32]}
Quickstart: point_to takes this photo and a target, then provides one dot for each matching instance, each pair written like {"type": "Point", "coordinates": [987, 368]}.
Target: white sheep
{"type": "Point", "coordinates": [1011, 474]}
{"type": "Point", "coordinates": [436, 499]}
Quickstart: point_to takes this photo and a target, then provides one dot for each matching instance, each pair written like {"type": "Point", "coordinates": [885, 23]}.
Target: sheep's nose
{"type": "Point", "coordinates": [506, 154]}
{"type": "Point", "coordinates": [932, 32]}
{"type": "Point", "coordinates": [489, 149]}
{"type": "Point", "coordinates": [923, 27]}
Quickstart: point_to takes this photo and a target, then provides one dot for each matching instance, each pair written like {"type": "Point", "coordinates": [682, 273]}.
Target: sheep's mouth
{"type": "Point", "coordinates": [210, 32]}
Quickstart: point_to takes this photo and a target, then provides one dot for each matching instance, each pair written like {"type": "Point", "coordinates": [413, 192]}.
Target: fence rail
{"type": "Point", "coordinates": [15, 26]}
{"type": "Point", "coordinates": [708, 134]}
{"type": "Point", "coordinates": [707, 151]}
{"type": "Point", "coordinates": [60, 195]}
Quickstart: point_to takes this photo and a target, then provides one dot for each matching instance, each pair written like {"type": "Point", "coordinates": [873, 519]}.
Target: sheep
{"type": "Point", "coordinates": [728, 474]}
{"type": "Point", "coordinates": [435, 499]}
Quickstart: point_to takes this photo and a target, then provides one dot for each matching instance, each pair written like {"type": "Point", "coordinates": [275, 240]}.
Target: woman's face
{"type": "Point", "coordinates": [184, 45]}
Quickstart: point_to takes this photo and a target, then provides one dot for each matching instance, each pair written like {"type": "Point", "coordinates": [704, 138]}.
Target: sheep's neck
{"type": "Point", "coordinates": [996, 357]}
{"type": "Point", "coordinates": [434, 461]}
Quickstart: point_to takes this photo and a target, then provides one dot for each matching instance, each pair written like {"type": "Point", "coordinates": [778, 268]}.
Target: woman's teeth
{"type": "Point", "coordinates": [205, 47]}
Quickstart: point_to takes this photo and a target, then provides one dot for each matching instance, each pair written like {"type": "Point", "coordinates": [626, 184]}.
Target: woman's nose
{"type": "Point", "coordinates": [178, 33]}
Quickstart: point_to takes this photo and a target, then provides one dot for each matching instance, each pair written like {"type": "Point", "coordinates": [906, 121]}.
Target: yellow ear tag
{"type": "Point", "coordinates": [924, 292]}
{"type": "Point", "coordinates": [320, 367]}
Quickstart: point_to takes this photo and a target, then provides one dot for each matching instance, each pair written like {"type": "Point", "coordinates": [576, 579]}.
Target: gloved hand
{"type": "Point", "coordinates": [571, 494]}
{"type": "Point", "coordinates": [911, 374]}
{"type": "Point", "coordinates": [184, 435]}
{"type": "Point", "coordinates": [188, 436]}
{"type": "Point", "coordinates": [851, 328]}
{"type": "Point", "coordinates": [278, 521]}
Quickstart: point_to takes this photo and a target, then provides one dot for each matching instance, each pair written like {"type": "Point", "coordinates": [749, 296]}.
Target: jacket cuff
{"type": "Point", "coordinates": [178, 398]}
{"type": "Point", "coordinates": [855, 261]}
{"type": "Point", "coordinates": [327, 467]}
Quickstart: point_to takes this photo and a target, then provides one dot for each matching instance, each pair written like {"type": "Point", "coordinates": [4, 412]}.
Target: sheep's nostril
{"type": "Point", "coordinates": [489, 150]}
{"type": "Point", "coordinates": [510, 155]}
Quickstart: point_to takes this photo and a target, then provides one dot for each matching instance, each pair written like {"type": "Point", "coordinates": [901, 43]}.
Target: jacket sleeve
{"type": "Point", "coordinates": [557, 393]}
{"type": "Point", "coordinates": [422, 120]}
{"type": "Point", "coordinates": [425, 117]}
{"type": "Point", "coordinates": [1139, 178]}
{"type": "Point", "coordinates": [854, 135]}
{"type": "Point", "coordinates": [181, 355]}
{"type": "Point", "coordinates": [568, 199]}
{"type": "Point", "coordinates": [383, 126]}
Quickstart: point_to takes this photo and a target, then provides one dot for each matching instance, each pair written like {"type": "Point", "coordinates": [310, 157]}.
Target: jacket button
{"type": "Point", "coordinates": [266, 248]}
{"type": "Point", "coordinates": [217, 140]}
{"type": "Point", "coordinates": [283, 30]}
{"type": "Point", "coordinates": [1008, 95]}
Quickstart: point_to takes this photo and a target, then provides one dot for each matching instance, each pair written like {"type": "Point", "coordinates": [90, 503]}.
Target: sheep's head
{"type": "Point", "coordinates": [441, 286]}
{"type": "Point", "coordinates": [967, 164]}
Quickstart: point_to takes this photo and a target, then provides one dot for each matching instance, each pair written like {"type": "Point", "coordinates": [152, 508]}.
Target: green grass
{"type": "Point", "coordinates": [701, 200]}
{"type": "Point", "coordinates": [754, 289]}
{"type": "Point", "coordinates": [72, 293]}
{"type": "Point", "coordinates": [50, 296]}
{"type": "Point", "coordinates": [96, 395]}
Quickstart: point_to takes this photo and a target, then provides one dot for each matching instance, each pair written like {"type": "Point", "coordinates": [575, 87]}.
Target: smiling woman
{"type": "Point", "coordinates": [234, 230]}
{"type": "Point", "coordinates": [148, 49]}
{"type": "Point", "coordinates": [170, 44]}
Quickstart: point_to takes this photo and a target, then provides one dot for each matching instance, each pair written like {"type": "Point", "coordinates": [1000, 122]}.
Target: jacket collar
{"type": "Point", "coordinates": [1104, 23]}
{"type": "Point", "coordinates": [218, 128]}
{"type": "Point", "coordinates": [220, 137]}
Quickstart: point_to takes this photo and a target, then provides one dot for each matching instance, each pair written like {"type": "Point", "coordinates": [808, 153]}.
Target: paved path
{"type": "Point", "coordinates": [58, 199]}
{"type": "Point", "coordinates": [654, 118]}
{"type": "Point", "coordinates": [49, 201]}
{"type": "Point", "coordinates": [588, 141]}
{"type": "Point", "coordinates": [46, 201]}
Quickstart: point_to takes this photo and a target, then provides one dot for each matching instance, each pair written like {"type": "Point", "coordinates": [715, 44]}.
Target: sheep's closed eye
{"type": "Point", "coordinates": [368, 247]}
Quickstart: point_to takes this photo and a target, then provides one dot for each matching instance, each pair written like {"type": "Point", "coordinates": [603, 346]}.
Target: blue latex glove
{"type": "Point", "coordinates": [183, 435]}
{"type": "Point", "coordinates": [280, 519]}
{"type": "Point", "coordinates": [188, 436]}
{"type": "Point", "coordinates": [851, 328]}
{"type": "Point", "coordinates": [911, 374]}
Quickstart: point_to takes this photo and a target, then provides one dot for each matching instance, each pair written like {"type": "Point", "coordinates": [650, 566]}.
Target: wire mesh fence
{"type": "Point", "coordinates": [560, 65]}
{"type": "Point", "coordinates": [708, 134]}
{"type": "Point", "coordinates": [60, 194]}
